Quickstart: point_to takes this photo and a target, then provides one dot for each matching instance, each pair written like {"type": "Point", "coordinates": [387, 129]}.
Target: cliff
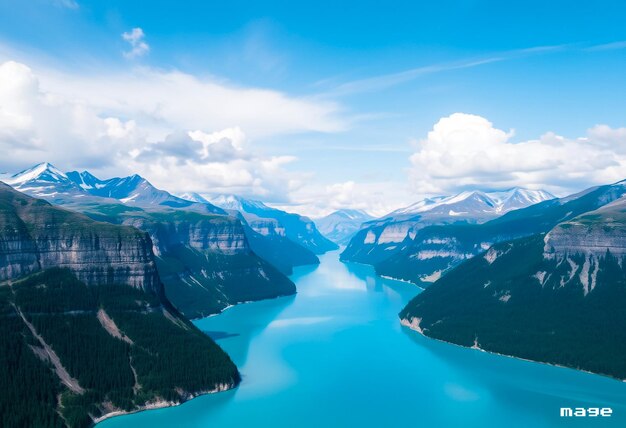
{"type": "Point", "coordinates": [205, 261]}
{"type": "Point", "coordinates": [85, 326]}
{"type": "Point", "coordinates": [556, 298]}
{"type": "Point", "coordinates": [436, 249]}
{"type": "Point", "coordinates": [35, 235]}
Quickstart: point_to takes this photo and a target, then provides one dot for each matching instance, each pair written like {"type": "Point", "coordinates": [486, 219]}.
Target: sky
{"type": "Point", "coordinates": [319, 105]}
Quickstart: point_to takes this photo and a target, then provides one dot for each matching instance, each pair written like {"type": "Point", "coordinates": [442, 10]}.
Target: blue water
{"type": "Point", "coordinates": [335, 355]}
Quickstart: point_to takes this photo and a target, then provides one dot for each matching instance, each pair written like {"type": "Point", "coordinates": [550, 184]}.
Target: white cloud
{"type": "Point", "coordinates": [37, 125]}
{"type": "Point", "coordinates": [138, 46]}
{"type": "Point", "coordinates": [215, 162]}
{"type": "Point", "coordinates": [170, 100]}
{"type": "Point", "coordinates": [466, 151]}
{"type": "Point", "coordinates": [377, 198]}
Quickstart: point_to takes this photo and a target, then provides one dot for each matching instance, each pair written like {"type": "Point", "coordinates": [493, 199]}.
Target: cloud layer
{"type": "Point", "coordinates": [112, 133]}
{"type": "Point", "coordinates": [465, 151]}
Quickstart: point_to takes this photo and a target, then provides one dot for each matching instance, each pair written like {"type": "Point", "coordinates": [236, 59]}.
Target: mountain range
{"type": "Point", "coordinates": [86, 327]}
{"type": "Point", "coordinates": [340, 226]}
{"type": "Point", "coordinates": [205, 254]}
{"type": "Point", "coordinates": [554, 295]}
{"type": "Point", "coordinates": [393, 234]}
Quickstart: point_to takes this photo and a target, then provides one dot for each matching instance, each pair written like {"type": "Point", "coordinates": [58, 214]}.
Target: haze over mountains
{"type": "Point", "coordinates": [341, 225]}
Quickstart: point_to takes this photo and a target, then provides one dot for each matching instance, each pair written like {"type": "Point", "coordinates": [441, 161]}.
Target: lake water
{"type": "Point", "coordinates": [335, 355]}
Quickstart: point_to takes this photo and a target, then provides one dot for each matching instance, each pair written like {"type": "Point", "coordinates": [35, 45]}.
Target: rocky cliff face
{"type": "Point", "coordinates": [36, 236]}
{"type": "Point", "coordinates": [266, 226]}
{"type": "Point", "coordinates": [562, 307]}
{"type": "Point", "coordinates": [212, 233]}
{"type": "Point", "coordinates": [593, 233]}
{"type": "Point", "coordinates": [572, 223]}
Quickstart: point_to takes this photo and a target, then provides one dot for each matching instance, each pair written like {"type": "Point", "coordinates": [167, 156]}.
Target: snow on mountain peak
{"type": "Point", "coordinates": [42, 172]}
{"type": "Point", "coordinates": [193, 197]}
{"type": "Point", "coordinates": [499, 202]}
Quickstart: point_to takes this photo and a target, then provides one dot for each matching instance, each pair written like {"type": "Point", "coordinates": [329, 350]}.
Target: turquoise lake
{"type": "Point", "coordinates": [335, 355]}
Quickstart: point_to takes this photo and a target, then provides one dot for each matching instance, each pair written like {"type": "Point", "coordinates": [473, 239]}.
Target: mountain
{"type": "Point", "coordinates": [554, 297]}
{"type": "Point", "coordinates": [475, 204]}
{"type": "Point", "coordinates": [380, 239]}
{"type": "Point", "coordinates": [133, 190]}
{"type": "Point", "coordinates": [37, 236]}
{"type": "Point", "coordinates": [43, 180]}
{"type": "Point", "coordinates": [85, 327]}
{"type": "Point", "coordinates": [435, 249]}
{"type": "Point", "coordinates": [267, 239]}
{"type": "Point", "coordinates": [341, 225]}
{"type": "Point", "coordinates": [271, 221]}
{"type": "Point", "coordinates": [204, 257]}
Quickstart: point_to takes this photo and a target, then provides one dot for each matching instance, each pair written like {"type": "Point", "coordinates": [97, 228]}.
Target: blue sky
{"type": "Point", "coordinates": [354, 90]}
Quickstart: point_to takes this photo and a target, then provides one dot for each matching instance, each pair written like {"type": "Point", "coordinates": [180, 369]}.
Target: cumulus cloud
{"type": "Point", "coordinates": [217, 162]}
{"type": "Point", "coordinates": [138, 45]}
{"type": "Point", "coordinates": [38, 125]}
{"type": "Point", "coordinates": [465, 151]}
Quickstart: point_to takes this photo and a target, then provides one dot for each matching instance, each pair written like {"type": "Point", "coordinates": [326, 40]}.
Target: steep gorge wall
{"type": "Point", "coordinates": [35, 235]}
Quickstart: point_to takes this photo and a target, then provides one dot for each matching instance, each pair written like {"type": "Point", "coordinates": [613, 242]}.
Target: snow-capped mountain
{"type": "Point", "coordinates": [133, 189]}
{"type": "Point", "coordinates": [46, 181]}
{"type": "Point", "coordinates": [476, 203]}
{"type": "Point", "coordinates": [379, 239]}
{"type": "Point", "coordinates": [341, 225]}
{"type": "Point", "coordinates": [43, 180]}
{"type": "Point", "coordinates": [269, 221]}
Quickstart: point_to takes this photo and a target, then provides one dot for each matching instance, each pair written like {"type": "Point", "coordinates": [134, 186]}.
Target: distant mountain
{"type": "Point", "coordinates": [203, 255]}
{"type": "Point", "coordinates": [266, 238]}
{"type": "Point", "coordinates": [85, 326]}
{"type": "Point", "coordinates": [554, 297]}
{"type": "Point", "coordinates": [437, 248]}
{"type": "Point", "coordinates": [271, 221]}
{"type": "Point", "coordinates": [475, 204]}
{"type": "Point", "coordinates": [379, 239]}
{"type": "Point", "coordinates": [133, 189]}
{"type": "Point", "coordinates": [341, 225]}
{"type": "Point", "coordinates": [43, 180]}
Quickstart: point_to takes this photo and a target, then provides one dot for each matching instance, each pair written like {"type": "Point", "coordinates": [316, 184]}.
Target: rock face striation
{"type": "Point", "coordinates": [554, 297]}
{"type": "Point", "coordinates": [86, 328]}
{"type": "Point", "coordinates": [436, 249]}
{"type": "Point", "coordinates": [207, 259]}
{"type": "Point", "coordinates": [268, 221]}
{"type": "Point", "coordinates": [381, 239]}
{"type": "Point", "coordinates": [36, 236]}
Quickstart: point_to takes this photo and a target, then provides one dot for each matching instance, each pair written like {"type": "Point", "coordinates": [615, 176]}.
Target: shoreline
{"type": "Point", "coordinates": [163, 404]}
{"type": "Point", "coordinates": [238, 304]}
{"type": "Point", "coordinates": [414, 326]}
{"type": "Point", "coordinates": [402, 280]}
{"type": "Point", "coordinates": [347, 262]}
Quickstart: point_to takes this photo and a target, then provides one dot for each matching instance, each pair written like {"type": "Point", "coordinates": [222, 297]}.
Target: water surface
{"type": "Point", "coordinates": [335, 355]}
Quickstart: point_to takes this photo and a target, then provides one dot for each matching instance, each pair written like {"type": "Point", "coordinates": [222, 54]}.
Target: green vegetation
{"type": "Point", "coordinates": [527, 306]}
{"type": "Point", "coordinates": [280, 251]}
{"type": "Point", "coordinates": [467, 239]}
{"type": "Point", "coordinates": [157, 355]}
{"type": "Point", "coordinates": [201, 283]}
